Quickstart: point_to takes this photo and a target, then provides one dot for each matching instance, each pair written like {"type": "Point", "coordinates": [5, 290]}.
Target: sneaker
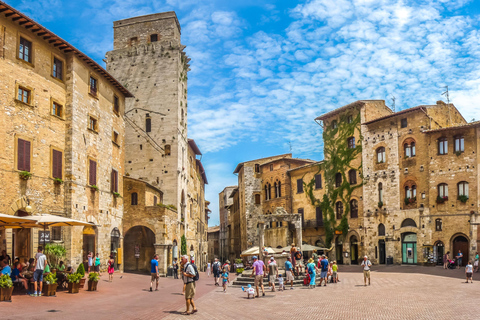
{"type": "Point", "coordinates": [291, 288]}
{"type": "Point", "coordinates": [151, 290]}
{"type": "Point", "coordinates": [39, 294]}
{"type": "Point", "coordinates": [33, 295]}
{"type": "Point", "coordinates": [263, 294]}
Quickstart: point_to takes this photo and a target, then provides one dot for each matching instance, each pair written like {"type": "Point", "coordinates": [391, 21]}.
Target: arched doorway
{"type": "Point", "coordinates": [114, 245]}
{"type": "Point", "coordinates": [381, 252]}
{"type": "Point", "coordinates": [353, 250]}
{"type": "Point", "coordinates": [138, 249]}
{"type": "Point", "coordinates": [438, 252]}
{"type": "Point", "coordinates": [409, 248]}
{"type": "Point", "coordinates": [22, 240]}
{"type": "Point", "coordinates": [339, 250]}
{"type": "Point", "coordinates": [460, 242]}
{"type": "Point", "coordinates": [89, 241]}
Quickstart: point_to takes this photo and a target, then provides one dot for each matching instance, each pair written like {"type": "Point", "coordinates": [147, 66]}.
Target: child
{"type": "Point", "coordinates": [335, 272]}
{"type": "Point", "coordinates": [469, 272]}
{"type": "Point", "coordinates": [249, 291]}
{"type": "Point", "coordinates": [280, 283]}
{"type": "Point", "coordinates": [224, 279]}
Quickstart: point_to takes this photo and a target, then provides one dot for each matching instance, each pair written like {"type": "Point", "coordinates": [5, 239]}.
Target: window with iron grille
{"type": "Point", "coordinates": [154, 38]}
{"type": "Point", "coordinates": [56, 233]}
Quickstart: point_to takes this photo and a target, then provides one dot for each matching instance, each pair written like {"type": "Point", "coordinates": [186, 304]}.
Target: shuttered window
{"type": "Point", "coordinates": [299, 185]}
{"type": "Point", "coordinates": [134, 199]}
{"type": "Point", "coordinates": [114, 181]}
{"type": "Point", "coordinates": [92, 173]}
{"type": "Point", "coordinates": [318, 181]}
{"type": "Point", "coordinates": [23, 155]}
{"type": "Point", "coordinates": [57, 157]}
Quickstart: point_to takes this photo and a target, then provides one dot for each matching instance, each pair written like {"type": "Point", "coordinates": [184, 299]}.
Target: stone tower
{"type": "Point", "coordinates": [148, 59]}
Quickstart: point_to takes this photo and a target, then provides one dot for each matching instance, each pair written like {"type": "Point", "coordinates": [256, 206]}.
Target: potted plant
{"type": "Point", "coordinates": [74, 282]}
{"type": "Point", "coordinates": [25, 175]}
{"type": "Point", "coordinates": [55, 253]}
{"type": "Point", "coordinates": [6, 288]}
{"type": "Point", "coordinates": [50, 285]}
{"type": "Point", "coordinates": [380, 204]}
{"type": "Point", "coordinates": [463, 198]}
{"type": "Point", "coordinates": [441, 199]}
{"type": "Point", "coordinates": [93, 278]}
{"type": "Point", "coordinates": [81, 272]}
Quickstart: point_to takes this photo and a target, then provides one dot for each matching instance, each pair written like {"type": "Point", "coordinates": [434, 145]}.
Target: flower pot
{"type": "Point", "coordinates": [92, 285]}
{"type": "Point", "coordinates": [82, 283]}
{"type": "Point", "coordinates": [49, 289]}
{"type": "Point", "coordinates": [6, 294]}
{"type": "Point", "coordinates": [73, 287]}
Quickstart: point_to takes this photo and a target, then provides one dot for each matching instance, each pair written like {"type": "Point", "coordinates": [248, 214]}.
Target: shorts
{"type": "Point", "coordinates": [97, 268]}
{"type": "Point", "coordinates": [155, 276]}
{"type": "Point", "coordinates": [475, 263]}
{"type": "Point", "coordinates": [289, 276]}
{"type": "Point", "coordinates": [299, 263]}
{"type": "Point", "coordinates": [272, 278]}
{"type": "Point", "coordinates": [38, 275]}
{"type": "Point", "coordinates": [190, 290]}
{"type": "Point", "coordinates": [334, 275]}
{"type": "Point", "coordinates": [259, 280]}
{"type": "Point", "coordinates": [323, 274]}
{"type": "Point", "coordinates": [216, 274]}
{"type": "Point", "coordinates": [366, 273]}
{"type": "Point", "coordinates": [469, 274]}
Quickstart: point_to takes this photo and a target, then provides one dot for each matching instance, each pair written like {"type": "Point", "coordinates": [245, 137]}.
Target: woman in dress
{"type": "Point", "coordinates": [312, 271]}
{"type": "Point", "coordinates": [110, 269]}
{"type": "Point", "coordinates": [209, 265]}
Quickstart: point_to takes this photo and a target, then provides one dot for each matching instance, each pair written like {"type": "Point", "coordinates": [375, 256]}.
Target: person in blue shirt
{"type": "Point", "coordinates": [16, 277]}
{"type": "Point", "coordinates": [5, 268]}
{"type": "Point", "coordinates": [289, 271]}
{"type": "Point", "coordinates": [154, 272]}
{"type": "Point", "coordinates": [225, 279]}
{"type": "Point", "coordinates": [324, 270]}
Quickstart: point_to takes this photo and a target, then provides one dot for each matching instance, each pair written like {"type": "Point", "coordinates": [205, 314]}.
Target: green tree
{"type": "Point", "coordinates": [184, 245]}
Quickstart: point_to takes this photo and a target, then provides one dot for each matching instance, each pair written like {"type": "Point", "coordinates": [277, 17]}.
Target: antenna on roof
{"type": "Point", "coordinates": [393, 103]}
{"type": "Point", "coordinates": [447, 95]}
{"type": "Point", "coordinates": [290, 144]}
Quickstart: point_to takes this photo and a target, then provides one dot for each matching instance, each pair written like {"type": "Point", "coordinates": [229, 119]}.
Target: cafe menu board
{"type": "Point", "coordinates": [43, 236]}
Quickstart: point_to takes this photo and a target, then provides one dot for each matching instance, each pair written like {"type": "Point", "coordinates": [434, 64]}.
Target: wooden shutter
{"type": "Point", "coordinates": [318, 181]}
{"type": "Point", "coordinates": [23, 155]}
{"type": "Point", "coordinates": [92, 179]}
{"type": "Point", "coordinates": [319, 214]}
{"type": "Point", "coordinates": [114, 181]}
{"type": "Point", "coordinates": [299, 185]}
{"type": "Point", "coordinates": [57, 164]}
{"type": "Point", "coordinates": [148, 125]}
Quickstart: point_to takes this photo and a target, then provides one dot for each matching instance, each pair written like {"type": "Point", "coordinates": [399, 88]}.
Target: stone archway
{"type": "Point", "coordinates": [462, 243]}
{"type": "Point", "coordinates": [139, 248]}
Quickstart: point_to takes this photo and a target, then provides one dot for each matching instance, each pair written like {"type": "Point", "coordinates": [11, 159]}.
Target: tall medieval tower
{"type": "Point", "coordinates": [148, 59]}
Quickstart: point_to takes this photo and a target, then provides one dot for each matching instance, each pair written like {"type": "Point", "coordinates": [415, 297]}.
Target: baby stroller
{"type": "Point", "coordinates": [451, 264]}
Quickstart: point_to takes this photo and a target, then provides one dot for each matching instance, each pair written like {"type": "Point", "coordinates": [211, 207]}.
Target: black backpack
{"type": "Point", "coordinates": [216, 267]}
{"type": "Point", "coordinates": [196, 276]}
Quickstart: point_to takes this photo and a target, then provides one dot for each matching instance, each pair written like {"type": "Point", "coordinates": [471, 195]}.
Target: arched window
{"type": "Point", "coordinates": [438, 224]}
{"type": "Point", "coordinates": [381, 229]}
{"type": "Point", "coordinates": [354, 209]}
{"type": "Point", "coordinates": [408, 223]}
{"type": "Point", "coordinates": [459, 145]}
{"type": "Point", "coordinates": [381, 158]}
{"type": "Point", "coordinates": [442, 145]}
{"type": "Point", "coordinates": [410, 192]}
{"type": "Point", "coordinates": [339, 209]}
{"type": "Point", "coordinates": [168, 150]}
{"type": "Point", "coordinates": [276, 189]}
{"type": "Point", "coordinates": [351, 143]}
{"type": "Point", "coordinates": [268, 191]}
{"type": "Point", "coordinates": [380, 192]}
{"type": "Point", "coordinates": [443, 191]}
{"type": "Point", "coordinates": [279, 189]}
{"type": "Point", "coordinates": [334, 124]}
{"type": "Point", "coordinates": [338, 179]}
{"type": "Point", "coordinates": [134, 198]}
{"type": "Point", "coordinates": [463, 189]}
{"type": "Point", "coordinates": [352, 176]}
{"type": "Point", "coordinates": [412, 146]}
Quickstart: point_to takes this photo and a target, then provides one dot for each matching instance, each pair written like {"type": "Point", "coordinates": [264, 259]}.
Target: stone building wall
{"type": "Point", "coordinates": [224, 203]}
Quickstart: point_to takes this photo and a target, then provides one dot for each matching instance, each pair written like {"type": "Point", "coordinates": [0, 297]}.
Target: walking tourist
{"type": "Point", "coordinates": [97, 264]}
{"type": "Point", "coordinates": [258, 272]}
{"type": "Point", "coordinates": [40, 264]}
{"type": "Point", "coordinates": [469, 272]}
{"type": "Point", "coordinates": [298, 260]}
{"type": "Point", "coordinates": [111, 268]}
{"type": "Point", "coordinates": [459, 258]}
{"type": "Point", "coordinates": [154, 272]}
{"type": "Point", "coordinates": [289, 271]}
{"type": "Point", "coordinates": [225, 279]}
{"type": "Point", "coordinates": [475, 263]}
{"type": "Point", "coordinates": [330, 272]}
{"type": "Point", "coordinates": [335, 272]}
{"type": "Point", "coordinates": [209, 265]}
{"type": "Point", "coordinates": [323, 271]}
{"type": "Point", "coordinates": [90, 261]}
{"type": "Point", "coordinates": [293, 250]}
{"type": "Point", "coordinates": [188, 278]}
{"type": "Point", "coordinates": [216, 271]}
{"type": "Point", "coordinates": [272, 273]}
{"type": "Point", "coordinates": [175, 268]}
{"type": "Point", "coordinates": [182, 266]}
{"type": "Point", "coordinates": [226, 265]}
{"type": "Point", "coordinates": [445, 260]}
{"type": "Point", "coordinates": [312, 271]}
{"type": "Point", "coordinates": [366, 264]}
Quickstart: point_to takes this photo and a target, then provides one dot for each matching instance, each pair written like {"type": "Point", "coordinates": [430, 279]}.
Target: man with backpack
{"type": "Point", "coordinates": [190, 275]}
{"type": "Point", "coordinates": [216, 271]}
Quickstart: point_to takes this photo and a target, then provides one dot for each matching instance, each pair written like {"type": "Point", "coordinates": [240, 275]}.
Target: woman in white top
{"type": "Point", "coordinates": [208, 269]}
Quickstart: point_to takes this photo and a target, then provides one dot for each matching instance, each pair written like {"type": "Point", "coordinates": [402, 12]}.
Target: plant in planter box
{"type": "Point", "coordinates": [25, 175]}
{"type": "Point", "coordinates": [50, 285]}
{"type": "Point", "coordinates": [380, 204]}
{"type": "Point", "coordinates": [81, 270]}
{"type": "Point", "coordinates": [6, 288]}
{"type": "Point", "coordinates": [74, 282]}
{"type": "Point", "coordinates": [93, 278]}
{"type": "Point", "coordinates": [441, 199]}
{"type": "Point", "coordinates": [463, 198]}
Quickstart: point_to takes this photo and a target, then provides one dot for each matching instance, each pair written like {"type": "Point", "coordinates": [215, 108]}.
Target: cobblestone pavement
{"type": "Point", "coordinates": [397, 292]}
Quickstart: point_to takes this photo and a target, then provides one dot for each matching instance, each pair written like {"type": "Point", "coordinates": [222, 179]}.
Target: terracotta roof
{"type": "Point", "coordinates": [459, 126]}
{"type": "Point", "coordinates": [338, 110]}
{"type": "Point", "coordinates": [396, 114]}
{"type": "Point", "coordinates": [194, 147]}
{"type": "Point", "coordinates": [240, 165]}
{"type": "Point", "coordinates": [288, 159]}
{"type": "Point", "coordinates": [54, 40]}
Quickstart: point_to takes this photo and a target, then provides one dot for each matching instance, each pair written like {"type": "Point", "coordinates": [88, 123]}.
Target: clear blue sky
{"type": "Point", "coordinates": [263, 70]}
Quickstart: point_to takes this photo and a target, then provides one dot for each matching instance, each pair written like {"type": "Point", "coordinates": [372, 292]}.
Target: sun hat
{"type": "Point", "coordinates": [310, 260]}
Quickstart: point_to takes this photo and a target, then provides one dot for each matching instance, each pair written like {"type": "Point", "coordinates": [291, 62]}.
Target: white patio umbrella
{"type": "Point", "coordinates": [256, 251]}
{"type": "Point", "coordinates": [306, 247]}
{"type": "Point", "coordinates": [8, 221]}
